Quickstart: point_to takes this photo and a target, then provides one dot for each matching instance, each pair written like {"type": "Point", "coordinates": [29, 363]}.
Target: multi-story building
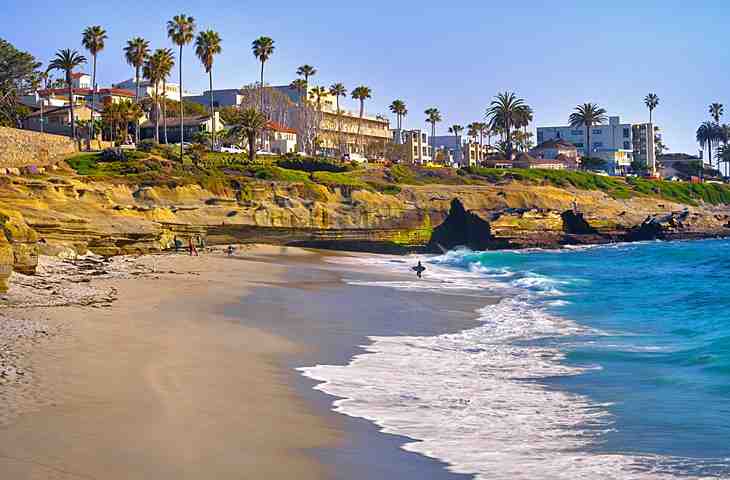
{"type": "Point", "coordinates": [191, 126]}
{"type": "Point", "coordinates": [551, 149]}
{"type": "Point", "coordinates": [452, 143]}
{"type": "Point", "coordinates": [417, 148]}
{"type": "Point", "coordinates": [80, 80]}
{"type": "Point", "coordinates": [147, 89]}
{"type": "Point", "coordinates": [280, 139]}
{"type": "Point", "coordinates": [616, 142]}
{"type": "Point", "coordinates": [229, 97]}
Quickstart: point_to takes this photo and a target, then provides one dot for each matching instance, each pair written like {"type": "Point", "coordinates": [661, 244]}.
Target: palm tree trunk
{"type": "Point", "coordinates": [93, 102]}
{"type": "Point", "coordinates": [182, 111]}
{"type": "Point", "coordinates": [71, 104]}
{"type": "Point", "coordinates": [261, 88]}
{"type": "Point", "coordinates": [339, 125]}
{"type": "Point", "coordinates": [164, 110]}
{"type": "Point", "coordinates": [212, 113]}
{"type": "Point", "coordinates": [588, 141]}
{"type": "Point", "coordinates": [136, 100]}
{"type": "Point", "coordinates": [252, 147]}
{"type": "Point", "coordinates": [359, 125]}
{"type": "Point", "coordinates": [650, 115]}
{"type": "Point", "coordinates": [157, 114]}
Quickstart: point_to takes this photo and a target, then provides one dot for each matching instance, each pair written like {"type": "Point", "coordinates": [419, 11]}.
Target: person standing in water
{"type": "Point", "coordinates": [419, 269]}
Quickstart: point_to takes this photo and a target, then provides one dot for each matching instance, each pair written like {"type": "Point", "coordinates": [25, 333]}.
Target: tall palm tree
{"type": "Point", "coordinates": [306, 71]}
{"type": "Point", "coordinates": [433, 116]}
{"type": "Point", "coordinates": [398, 107]}
{"type": "Point", "coordinates": [705, 137]}
{"type": "Point", "coordinates": [300, 85]}
{"type": "Point", "coordinates": [501, 114]}
{"type": "Point", "coordinates": [317, 94]}
{"type": "Point", "coordinates": [248, 125]}
{"type": "Point", "coordinates": [523, 117]}
{"type": "Point", "coordinates": [263, 48]}
{"type": "Point", "coordinates": [361, 94]}
{"type": "Point", "coordinates": [93, 40]}
{"type": "Point", "coordinates": [136, 53]}
{"type": "Point", "coordinates": [153, 73]}
{"type": "Point", "coordinates": [651, 101]}
{"type": "Point", "coordinates": [716, 111]}
{"type": "Point", "coordinates": [338, 90]}
{"type": "Point", "coordinates": [181, 30]}
{"type": "Point", "coordinates": [165, 64]}
{"type": "Point", "coordinates": [587, 115]}
{"type": "Point", "coordinates": [456, 130]}
{"type": "Point", "coordinates": [66, 60]}
{"type": "Point", "coordinates": [207, 46]}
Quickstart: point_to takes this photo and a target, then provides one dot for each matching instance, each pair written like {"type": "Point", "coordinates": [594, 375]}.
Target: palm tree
{"type": "Point", "coordinates": [398, 107]}
{"type": "Point", "coordinates": [502, 112]}
{"type": "Point", "coordinates": [705, 136]}
{"type": "Point", "coordinates": [716, 111]}
{"type": "Point", "coordinates": [136, 53]}
{"type": "Point", "coordinates": [306, 71]}
{"type": "Point", "coordinates": [301, 88]}
{"type": "Point", "coordinates": [482, 129]}
{"type": "Point", "coordinates": [456, 130]}
{"type": "Point", "coordinates": [317, 94]}
{"type": "Point", "coordinates": [181, 30]}
{"type": "Point", "coordinates": [433, 116]}
{"type": "Point", "coordinates": [249, 124]}
{"type": "Point", "coordinates": [587, 115]}
{"type": "Point", "coordinates": [651, 101]}
{"type": "Point", "coordinates": [154, 71]}
{"type": "Point", "coordinates": [207, 46]}
{"type": "Point", "coordinates": [523, 117]}
{"type": "Point", "coordinates": [263, 48]}
{"type": "Point", "coordinates": [66, 60]}
{"type": "Point", "coordinates": [93, 40]}
{"type": "Point", "coordinates": [338, 90]}
{"type": "Point", "coordinates": [361, 93]}
{"type": "Point", "coordinates": [165, 64]}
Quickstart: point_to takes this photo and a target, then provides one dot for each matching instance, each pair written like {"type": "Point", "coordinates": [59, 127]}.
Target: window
{"type": "Point", "coordinates": [597, 144]}
{"type": "Point", "coordinates": [557, 134]}
{"type": "Point", "coordinates": [423, 137]}
{"type": "Point", "coordinates": [597, 131]}
{"type": "Point", "coordinates": [425, 150]}
{"type": "Point", "coordinates": [576, 132]}
{"type": "Point", "coordinates": [578, 145]}
{"type": "Point", "coordinates": [627, 145]}
{"type": "Point", "coordinates": [540, 137]}
{"type": "Point", "coordinates": [627, 133]}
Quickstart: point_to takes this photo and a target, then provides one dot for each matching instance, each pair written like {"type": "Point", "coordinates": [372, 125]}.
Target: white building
{"type": "Point", "coordinates": [81, 80]}
{"type": "Point", "coordinates": [280, 139]}
{"type": "Point", "coordinates": [147, 89]}
{"type": "Point", "coordinates": [618, 143]}
{"type": "Point", "coordinates": [417, 148]}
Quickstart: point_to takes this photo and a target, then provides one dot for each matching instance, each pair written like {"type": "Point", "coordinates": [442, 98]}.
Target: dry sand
{"type": "Point", "coordinates": [144, 378]}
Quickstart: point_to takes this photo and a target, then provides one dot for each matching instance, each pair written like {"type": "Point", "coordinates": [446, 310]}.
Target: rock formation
{"type": "Point", "coordinates": [23, 239]}
{"type": "Point", "coordinates": [461, 229]}
{"type": "Point", "coordinates": [575, 224]}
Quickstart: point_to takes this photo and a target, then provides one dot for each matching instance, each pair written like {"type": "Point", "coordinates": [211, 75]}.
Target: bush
{"type": "Point", "coordinates": [281, 174]}
{"type": "Point", "coordinates": [147, 145]}
{"type": "Point", "coordinates": [338, 180]}
{"type": "Point", "coordinates": [310, 164]}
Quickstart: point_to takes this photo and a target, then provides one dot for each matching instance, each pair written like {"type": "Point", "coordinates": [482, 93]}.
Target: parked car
{"type": "Point", "coordinates": [230, 149]}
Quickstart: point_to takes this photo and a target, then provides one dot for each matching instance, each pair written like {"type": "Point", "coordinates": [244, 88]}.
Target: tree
{"type": "Point", "coordinates": [306, 71]}
{"type": "Point", "coordinates": [136, 53]}
{"type": "Point", "coordinates": [263, 48]}
{"type": "Point", "coordinates": [66, 60]}
{"type": "Point", "coordinates": [651, 101]}
{"type": "Point", "coordinates": [249, 123]}
{"type": "Point", "coordinates": [456, 130]}
{"type": "Point", "coordinates": [338, 90]}
{"type": "Point", "coordinates": [300, 85]}
{"type": "Point", "coordinates": [398, 107]}
{"type": "Point", "coordinates": [207, 46]}
{"type": "Point", "coordinates": [361, 94]}
{"type": "Point", "coordinates": [153, 71]}
{"type": "Point", "coordinates": [433, 116]}
{"type": "Point", "coordinates": [587, 115]}
{"type": "Point", "coordinates": [165, 64]}
{"type": "Point", "coordinates": [501, 114]}
{"type": "Point", "coordinates": [723, 155]}
{"type": "Point", "coordinates": [181, 30]}
{"type": "Point", "coordinates": [593, 163]}
{"type": "Point", "coordinates": [705, 137]}
{"type": "Point", "coordinates": [18, 74]}
{"type": "Point", "coordinates": [716, 111]}
{"type": "Point", "coordinates": [93, 40]}
{"type": "Point", "coordinates": [523, 117]}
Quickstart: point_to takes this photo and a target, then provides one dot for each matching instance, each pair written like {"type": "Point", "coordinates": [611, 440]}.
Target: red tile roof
{"type": "Point", "coordinates": [78, 74]}
{"type": "Point", "coordinates": [278, 127]}
{"type": "Point", "coordinates": [117, 92]}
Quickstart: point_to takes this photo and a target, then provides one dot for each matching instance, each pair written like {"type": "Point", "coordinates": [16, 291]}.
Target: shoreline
{"type": "Point", "coordinates": [161, 384]}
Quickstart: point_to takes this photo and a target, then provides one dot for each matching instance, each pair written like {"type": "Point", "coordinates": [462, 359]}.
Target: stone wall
{"type": "Point", "coordinates": [21, 148]}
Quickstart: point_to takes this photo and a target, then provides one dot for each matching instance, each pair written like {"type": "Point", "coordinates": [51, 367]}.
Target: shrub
{"type": "Point", "coordinates": [310, 164]}
{"type": "Point", "coordinates": [338, 180]}
{"type": "Point", "coordinates": [280, 174]}
{"type": "Point", "coordinates": [147, 145]}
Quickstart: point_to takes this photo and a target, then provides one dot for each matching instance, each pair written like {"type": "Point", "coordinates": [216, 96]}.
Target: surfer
{"type": "Point", "coordinates": [419, 269]}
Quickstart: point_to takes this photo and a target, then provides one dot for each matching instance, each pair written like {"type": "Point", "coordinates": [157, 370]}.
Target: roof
{"type": "Point", "coordinates": [51, 110]}
{"type": "Point", "coordinates": [117, 92]}
{"type": "Point", "coordinates": [555, 143]}
{"type": "Point", "coordinates": [278, 127]}
{"type": "Point", "coordinates": [175, 121]}
{"type": "Point", "coordinates": [79, 75]}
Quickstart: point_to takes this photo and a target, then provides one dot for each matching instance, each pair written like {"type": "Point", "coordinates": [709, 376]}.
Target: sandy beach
{"type": "Point", "coordinates": [158, 383]}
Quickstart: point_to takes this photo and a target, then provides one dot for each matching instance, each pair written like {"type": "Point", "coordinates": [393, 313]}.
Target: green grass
{"type": "Point", "coordinates": [334, 180]}
{"type": "Point", "coordinates": [83, 163]}
{"type": "Point", "coordinates": [280, 174]}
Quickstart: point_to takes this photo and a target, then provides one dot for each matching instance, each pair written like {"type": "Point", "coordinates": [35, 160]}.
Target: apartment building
{"type": "Point", "coordinates": [416, 143]}
{"type": "Point", "coordinates": [147, 89]}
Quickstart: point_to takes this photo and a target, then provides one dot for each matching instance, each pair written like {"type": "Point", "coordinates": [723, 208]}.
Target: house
{"type": "Point", "coordinates": [57, 120]}
{"type": "Point", "coordinates": [417, 150]}
{"type": "Point", "coordinates": [191, 126]}
{"type": "Point", "coordinates": [147, 89]}
{"type": "Point", "coordinates": [551, 149]}
{"type": "Point", "coordinates": [561, 162]}
{"type": "Point", "coordinates": [81, 80]}
{"type": "Point", "coordinates": [280, 139]}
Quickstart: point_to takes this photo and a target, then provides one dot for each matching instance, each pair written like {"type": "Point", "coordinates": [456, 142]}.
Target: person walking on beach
{"type": "Point", "coordinates": [191, 246]}
{"type": "Point", "coordinates": [230, 250]}
{"type": "Point", "coordinates": [419, 269]}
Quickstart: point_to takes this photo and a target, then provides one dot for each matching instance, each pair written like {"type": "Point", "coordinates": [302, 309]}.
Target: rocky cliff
{"type": "Point", "coordinates": [64, 214]}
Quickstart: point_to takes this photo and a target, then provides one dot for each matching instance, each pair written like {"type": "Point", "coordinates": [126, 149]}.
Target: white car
{"type": "Point", "coordinates": [231, 149]}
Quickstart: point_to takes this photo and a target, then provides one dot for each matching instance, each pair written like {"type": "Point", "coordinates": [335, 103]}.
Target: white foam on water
{"type": "Point", "coordinates": [474, 399]}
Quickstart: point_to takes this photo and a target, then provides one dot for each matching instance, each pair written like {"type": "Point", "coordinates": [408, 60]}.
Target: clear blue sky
{"type": "Point", "coordinates": [455, 56]}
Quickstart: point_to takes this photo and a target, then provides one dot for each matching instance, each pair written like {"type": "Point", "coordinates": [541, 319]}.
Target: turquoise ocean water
{"type": "Point", "coordinates": [601, 362]}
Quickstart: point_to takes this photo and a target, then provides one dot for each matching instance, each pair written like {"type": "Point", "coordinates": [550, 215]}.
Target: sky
{"type": "Point", "coordinates": [454, 56]}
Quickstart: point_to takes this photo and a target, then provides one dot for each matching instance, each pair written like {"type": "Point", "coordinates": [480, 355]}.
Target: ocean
{"type": "Point", "coordinates": [597, 362]}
